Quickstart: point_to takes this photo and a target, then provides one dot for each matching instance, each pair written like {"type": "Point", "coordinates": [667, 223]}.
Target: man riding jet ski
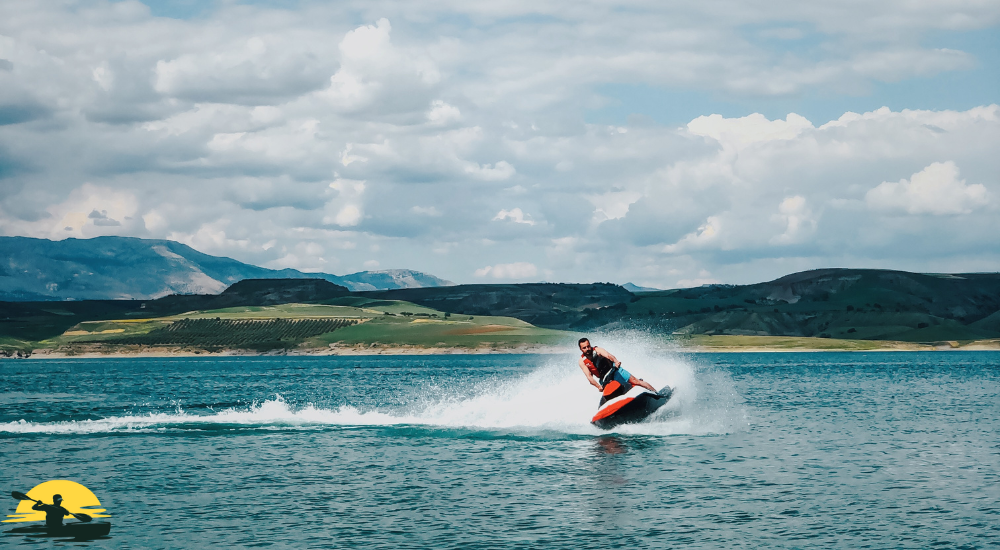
{"type": "Point", "coordinates": [625, 399]}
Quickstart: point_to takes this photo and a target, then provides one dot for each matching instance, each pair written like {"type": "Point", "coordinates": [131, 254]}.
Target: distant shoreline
{"type": "Point", "coordinates": [832, 350]}
{"type": "Point", "coordinates": [334, 352]}
{"type": "Point", "coordinates": [408, 350]}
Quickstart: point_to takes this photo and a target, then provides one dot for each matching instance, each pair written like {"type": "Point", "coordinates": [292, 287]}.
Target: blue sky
{"type": "Point", "coordinates": [958, 89]}
{"type": "Point", "coordinates": [667, 144]}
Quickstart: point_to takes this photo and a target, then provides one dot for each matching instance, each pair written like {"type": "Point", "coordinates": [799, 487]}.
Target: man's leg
{"type": "Point", "coordinates": [640, 382]}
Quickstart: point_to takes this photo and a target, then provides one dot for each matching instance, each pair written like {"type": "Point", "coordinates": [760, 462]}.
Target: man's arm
{"type": "Point", "coordinates": [590, 378]}
{"type": "Point", "coordinates": [605, 353]}
{"type": "Point", "coordinates": [39, 505]}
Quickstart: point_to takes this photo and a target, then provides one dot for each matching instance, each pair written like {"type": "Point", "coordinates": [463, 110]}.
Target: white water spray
{"type": "Point", "coordinates": [555, 397]}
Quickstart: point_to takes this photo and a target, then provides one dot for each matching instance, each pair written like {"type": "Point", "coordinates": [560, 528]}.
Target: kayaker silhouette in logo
{"type": "Point", "coordinates": [80, 503]}
{"type": "Point", "coordinates": [54, 513]}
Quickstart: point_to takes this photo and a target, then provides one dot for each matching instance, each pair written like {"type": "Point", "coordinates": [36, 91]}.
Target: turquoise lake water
{"type": "Point", "coordinates": [781, 450]}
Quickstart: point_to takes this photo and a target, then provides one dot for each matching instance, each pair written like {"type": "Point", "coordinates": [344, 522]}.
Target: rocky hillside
{"type": "Point", "coordinates": [390, 279]}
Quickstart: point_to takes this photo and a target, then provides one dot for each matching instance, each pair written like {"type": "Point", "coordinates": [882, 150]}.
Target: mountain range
{"type": "Point", "coordinates": [125, 268]}
{"type": "Point", "coordinates": [118, 278]}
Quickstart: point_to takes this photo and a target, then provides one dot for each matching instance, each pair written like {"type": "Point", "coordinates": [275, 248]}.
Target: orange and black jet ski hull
{"type": "Point", "coordinates": [630, 407]}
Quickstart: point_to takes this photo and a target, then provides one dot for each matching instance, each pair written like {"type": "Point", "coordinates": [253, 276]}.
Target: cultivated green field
{"type": "Point", "coordinates": [344, 323]}
{"type": "Point", "coordinates": [466, 332]}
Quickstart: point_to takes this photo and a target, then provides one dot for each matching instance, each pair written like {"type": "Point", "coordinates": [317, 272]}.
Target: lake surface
{"type": "Point", "coordinates": [789, 450]}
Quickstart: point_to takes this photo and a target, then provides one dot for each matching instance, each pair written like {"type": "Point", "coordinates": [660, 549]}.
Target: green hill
{"type": "Point", "coordinates": [855, 304]}
{"type": "Point", "coordinates": [310, 315]}
{"type": "Point", "coordinates": [36, 321]}
{"type": "Point", "coordinates": [550, 305]}
{"type": "Point", "coordinates": [850, 305]}
{"type": "Point", "coordinates": [865, 304]}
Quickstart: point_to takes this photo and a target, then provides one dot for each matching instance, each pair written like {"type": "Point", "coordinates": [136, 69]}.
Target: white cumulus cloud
{"type": "Point", "coordinates": [441, 113]}
{"type": "Point", "coordinates": [345, 209]}
{"type": "Point", "coordinates": [515, 215]}
{"type": "Point", "coordinates": [225, 131]}
{"type": "Point", "coordinates": [708, 234]}
{"type": "Point", "coordinates": [516, 271]}
{"type": "Point", "coordinates": [491, 172]}
{"type": "Point", "coordinates": [936, 189]}
{"type": "Point", "coordinates": [754, 128]}
{"type": "Point", "coordinates": [798, 219]}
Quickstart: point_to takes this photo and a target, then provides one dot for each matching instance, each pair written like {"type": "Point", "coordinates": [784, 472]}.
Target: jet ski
{"type": "Point", "coordinates": [626, 404]}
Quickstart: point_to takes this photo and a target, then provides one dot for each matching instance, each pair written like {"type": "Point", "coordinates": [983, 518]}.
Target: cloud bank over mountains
{"type": "Point", "coordinates": [458, 139]}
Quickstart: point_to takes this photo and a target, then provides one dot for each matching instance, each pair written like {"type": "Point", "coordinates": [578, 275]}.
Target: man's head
{"type": "Point", "coordinates": [56, 499]}
{"type": "Point", "coordinates": [585, 346]}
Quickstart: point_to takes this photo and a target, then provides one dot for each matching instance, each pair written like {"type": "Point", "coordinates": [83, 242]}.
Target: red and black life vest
{"type": "Point", "coordinates": [598, 366]}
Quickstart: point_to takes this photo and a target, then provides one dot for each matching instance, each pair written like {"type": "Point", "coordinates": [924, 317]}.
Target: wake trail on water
{"type": "Point", "coordinates": [554, 397]}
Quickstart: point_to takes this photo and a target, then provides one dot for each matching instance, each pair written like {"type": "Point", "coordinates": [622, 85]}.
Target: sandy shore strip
{"type": "Point", "coordinates": [392, 349]}
{"type": "Point", "coordinates": [382, 349]}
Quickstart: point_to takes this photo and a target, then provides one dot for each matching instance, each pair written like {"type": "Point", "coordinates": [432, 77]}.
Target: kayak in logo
{"type": "Point", "coordinates": [51, 502]}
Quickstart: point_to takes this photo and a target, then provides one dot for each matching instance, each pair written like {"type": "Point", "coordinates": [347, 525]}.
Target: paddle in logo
{"type": "Point", "coordinates": [59, 508]}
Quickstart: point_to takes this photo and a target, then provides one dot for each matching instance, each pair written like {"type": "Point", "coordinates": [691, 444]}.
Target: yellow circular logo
{"type": "Point", "coordinates": [77, 499]}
